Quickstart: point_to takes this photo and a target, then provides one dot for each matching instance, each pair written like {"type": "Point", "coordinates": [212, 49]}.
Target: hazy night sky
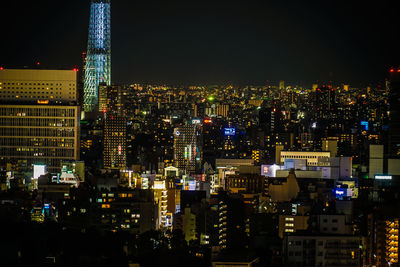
{"type": "Point", "coordinates": [212, 42]}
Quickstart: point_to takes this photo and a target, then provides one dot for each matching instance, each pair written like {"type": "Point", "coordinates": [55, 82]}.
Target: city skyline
{"type": "Point", "coordinates": [232, 134]}
{"type": "Point", "coordinates": [205, 43]}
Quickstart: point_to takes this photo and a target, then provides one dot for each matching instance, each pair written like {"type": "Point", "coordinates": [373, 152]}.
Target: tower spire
{"type": "Point", "coordinates": [98, 57]}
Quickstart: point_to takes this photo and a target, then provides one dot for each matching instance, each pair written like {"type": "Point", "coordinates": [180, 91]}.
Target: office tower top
{"type": "Point", "coordinates": [33, 86]}
{"type": "Point", "coordinates": [111, 99]}
{"type": "Point", "coordinates": [98, 56]}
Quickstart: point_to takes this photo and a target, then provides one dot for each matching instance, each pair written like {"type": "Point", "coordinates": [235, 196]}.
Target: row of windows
{"type": "Point", "coordinates": [37, 83]}
{"type": "Point", "coordinates": [34, 88]}
{"type": "Point", "coordinates": [37, 152]}
{"type": "Point", "coordinates": [37, 142]}
{"type": "Point", "coordinates": [54, 132]}
{"type": "Point", "coordinates": [13, 93]}
{"type": "Point", "coordinates": [27, 121]}
{"type": "Point", "coordinates": [35, 97]}
{"type": "Point", "coordinates": [53, 164]}
{"type": "Point", "coordinates": [302, 157]}
{"type": "Point", "coordinates": [40, 112]}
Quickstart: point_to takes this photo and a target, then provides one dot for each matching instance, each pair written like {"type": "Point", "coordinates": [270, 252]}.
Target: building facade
{"type": "Point", "coordinates": [115, 128]}
{"type": "Point", "coordinates": [322, 250]}
{"type": "Point", "coordinates": [115, 142]}
{"type": "Point", "coordinates": [187, 153]}
{"type": "Point", "coordinates": [313, 158]}
{"type": "Point", "coordinates": [39, 118]}
{"type": "Point", "coordinates": [38, 86]}
{"type": "Point", "coordinates": [39, 134]}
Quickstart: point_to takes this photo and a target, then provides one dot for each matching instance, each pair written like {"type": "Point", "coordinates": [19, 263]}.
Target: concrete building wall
{"type": "Point", "coordinates": [38, 85]}
{"type": "Point", "coordinates": [394, 166]}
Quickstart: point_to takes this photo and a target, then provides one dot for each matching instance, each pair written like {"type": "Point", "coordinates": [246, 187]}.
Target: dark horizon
{"type": "Point", "coordinates": [213, 43]}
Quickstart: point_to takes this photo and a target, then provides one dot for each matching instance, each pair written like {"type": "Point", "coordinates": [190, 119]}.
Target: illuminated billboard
{"type": "Point", "coordinates": [269, 170]}
{"type": "Point", "coordinates": [383, 177]}
{"type": "Point", "coordinates": [207, 120]}
{"type": "Point", "coordinates": [340, 192]}
{"type": "Point", "coordinates": [192, 185]}
{"type": "Point", "coordinates": [159, 185]}
{"type": "Point", "coordinates": [196, 121]}
{"type": "Point", "coordinates": [365, 124]}
{"type": "Point", "coordinates": [229, 131]}
{"type": "Point", "coordinates": [38, 170]}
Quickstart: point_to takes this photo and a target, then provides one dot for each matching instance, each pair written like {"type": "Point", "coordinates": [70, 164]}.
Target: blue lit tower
{"type": "Point", "coordinates": [98, 57]}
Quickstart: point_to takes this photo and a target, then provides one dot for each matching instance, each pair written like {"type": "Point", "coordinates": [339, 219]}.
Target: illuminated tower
{"type": "Point", "coordinates": [98, 57]}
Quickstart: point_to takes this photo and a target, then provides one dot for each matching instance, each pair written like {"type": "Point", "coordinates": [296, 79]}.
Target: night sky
{"type": "Point", "coordinates": [195, 42]}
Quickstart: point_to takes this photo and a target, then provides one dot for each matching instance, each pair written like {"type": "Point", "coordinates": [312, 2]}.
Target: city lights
{"type": "Point", "coordinates": [230, 135]}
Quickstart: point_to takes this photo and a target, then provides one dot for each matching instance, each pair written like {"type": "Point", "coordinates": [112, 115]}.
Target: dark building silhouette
{"type": "Point", "coordinates": [394, 118]}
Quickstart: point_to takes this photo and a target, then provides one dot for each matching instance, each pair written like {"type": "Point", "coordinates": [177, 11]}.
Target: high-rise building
{"type": "Point", "coordinates": [382, 244]}
{"type": "Point", "coordinates": [114, 129]}
{"type": "Point", "coordinates": [394, 118]}
{"type": "Point", "coordinates": [98, 56]}
{"type": "Point", "coordinates": [281, 85]}
{"type": "Point", "coordinates": [39, 118]}
{"type": "Point", "coordinates": [325, 101]}
{"type": "Point", "coordinates": [111, 99]}
{"type": "Point", "coordinates": [115, 142]}
{"type": "Point", "coordinates": [186, 147]}
{"type": "Point", "coordinates": [376, 160]}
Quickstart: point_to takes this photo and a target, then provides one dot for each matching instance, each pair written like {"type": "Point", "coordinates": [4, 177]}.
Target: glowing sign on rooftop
{"type": "Point", "coordinates": [365, 124]}
{"type": "Point", "coordinates": [383, 177]}
{"type": "Point", "coordinates": [229, 131]}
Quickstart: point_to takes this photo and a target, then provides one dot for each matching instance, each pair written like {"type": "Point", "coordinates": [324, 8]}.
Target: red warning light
{"type": "Point", "coordinates": [38, 63]}
{"type": "Point", "coordinates": [1, 68]}
{"type": "Point", "coordinates": [75, 69]}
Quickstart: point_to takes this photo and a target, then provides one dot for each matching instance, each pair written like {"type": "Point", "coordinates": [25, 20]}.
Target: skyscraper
{"type": "Point", "coordinates": [98, 56]}
{"type": "Point", "coordinates": [114, 128]}
{"type": "Point", "coordinates": [187, 153]}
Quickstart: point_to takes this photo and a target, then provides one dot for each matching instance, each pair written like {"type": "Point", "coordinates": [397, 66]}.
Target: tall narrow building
{"type": "Point", "coordinates": [187, 155]}
{"type": "Point", "coordinates": [98, 57]}
{"type": "Point", "coordinates": [114, 128]}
